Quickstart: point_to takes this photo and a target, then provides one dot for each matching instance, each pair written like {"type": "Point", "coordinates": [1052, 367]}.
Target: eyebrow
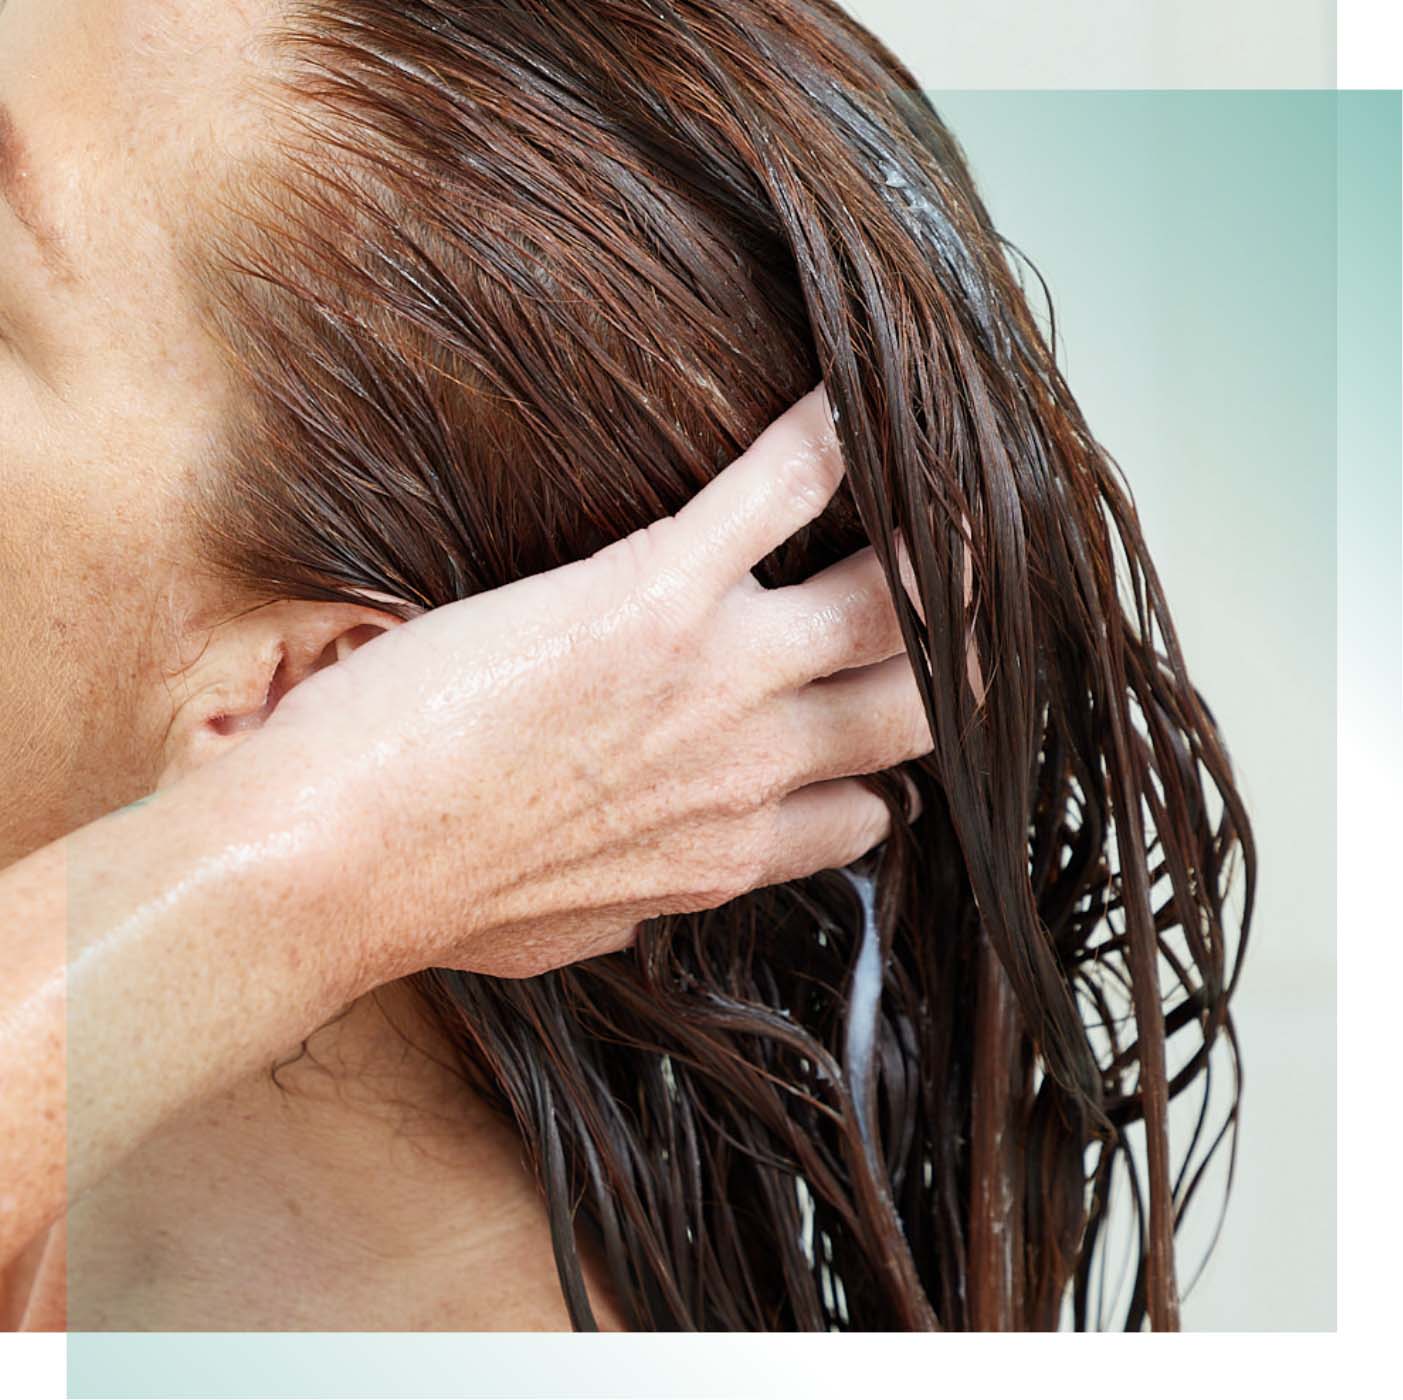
{"type": "Point", "coordinates": [15, 191]}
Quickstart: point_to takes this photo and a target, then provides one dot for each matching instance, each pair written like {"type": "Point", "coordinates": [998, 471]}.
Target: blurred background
{"type": "Point", "coordinates": [1188, 239]}
{"type": "Point", "coordinates": [1109, 43]}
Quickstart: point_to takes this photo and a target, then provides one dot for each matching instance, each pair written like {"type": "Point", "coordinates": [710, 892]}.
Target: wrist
{"type": "Point", "coordinates": [275, 841]}
{"type": "Point", "coordinates": [225, 870]}
{"type": "Point", "coordinates": [200, 933]}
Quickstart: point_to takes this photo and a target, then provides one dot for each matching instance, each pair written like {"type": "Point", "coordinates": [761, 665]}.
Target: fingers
{"type": "Point", "coordinates": [842, 617]}
{"type": "Point", "coordinates": [779, 484]}
{"type": "Point", "coordinates": [860, 721]}
{"type": "Point", "coordinates": [826, 825]}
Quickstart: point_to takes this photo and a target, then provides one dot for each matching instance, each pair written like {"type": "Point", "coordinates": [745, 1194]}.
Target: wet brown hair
{"type": "Point", "coordinates": [509, 281]}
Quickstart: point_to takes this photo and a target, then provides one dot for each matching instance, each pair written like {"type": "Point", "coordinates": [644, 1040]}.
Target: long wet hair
{"type": "Point", "coordinates": [510, 279]}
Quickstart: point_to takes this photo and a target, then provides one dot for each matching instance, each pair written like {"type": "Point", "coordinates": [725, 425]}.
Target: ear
{"type": "Point", "coordinates": [245, 667]}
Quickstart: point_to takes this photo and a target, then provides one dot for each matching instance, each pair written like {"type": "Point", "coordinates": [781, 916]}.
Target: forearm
{"type": "Point", "coordinates": [153, 958]}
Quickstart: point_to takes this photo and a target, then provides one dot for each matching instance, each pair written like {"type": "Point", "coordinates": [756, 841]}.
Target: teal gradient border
{"type": "Point", "coordinates": [1370, 436]}
{"type": "Point", "coordinates": [1369, 362]}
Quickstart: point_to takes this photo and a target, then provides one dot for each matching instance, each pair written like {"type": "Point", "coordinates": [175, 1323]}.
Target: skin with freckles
{"type": "Point", "coordinates": [803, 688]}
{"type": "Point", "coordinates": [108, 392]}
{"type": "Point", "coordinates": [316, 765]}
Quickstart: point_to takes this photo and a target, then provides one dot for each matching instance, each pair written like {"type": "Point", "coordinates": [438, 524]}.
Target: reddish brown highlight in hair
{"type": "Point", "coordinates": [512, 280]}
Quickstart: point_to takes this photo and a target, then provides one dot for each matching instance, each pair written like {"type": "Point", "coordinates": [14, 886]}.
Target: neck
{"type": "Point", "coordinates": [364, 1188]}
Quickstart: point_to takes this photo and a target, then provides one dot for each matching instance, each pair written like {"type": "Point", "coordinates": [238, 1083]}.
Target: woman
{"type": "Point", "coordinates": [487, 287]}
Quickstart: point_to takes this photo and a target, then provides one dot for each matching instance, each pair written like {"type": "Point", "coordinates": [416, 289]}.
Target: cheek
{"type": "Point", "coordinates": [38, 683]}
{"type": "Point", "coordinates": [71, 643]}
{"type": "Point", "coordinates": [36, 665]}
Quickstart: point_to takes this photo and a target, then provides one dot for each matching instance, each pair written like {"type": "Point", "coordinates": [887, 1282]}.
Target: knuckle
{"type": "Point", "coordinates": [670, 626]}
{"type": "Point", "coordinates": [636, 554]}
{"type": "Point", "coordinates": [748, 789]}
{"type": "Point", "coordinates": [872, 616]}
{"type": "Point", "coordinates": [752, 857]}
{"type": "Point", "coordinates": [646, 566]}
{"type": "Point", "coordinates": [739, 868]}
{"type": "Point", "coordinates": [809, 472]}
{"type": "Point", "coordinates": [770, 777]}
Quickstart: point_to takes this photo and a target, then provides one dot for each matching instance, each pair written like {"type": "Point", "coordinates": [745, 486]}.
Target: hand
{"type": "Point", "coordinates": [514, 781]}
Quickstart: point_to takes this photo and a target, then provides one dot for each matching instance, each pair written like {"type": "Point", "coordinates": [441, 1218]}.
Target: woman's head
{"type": "Point", "coordinates": [497, 283]}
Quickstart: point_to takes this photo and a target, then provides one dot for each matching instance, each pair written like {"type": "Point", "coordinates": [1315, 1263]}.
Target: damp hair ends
{"type": "Point", "coordinates": [508, 281]}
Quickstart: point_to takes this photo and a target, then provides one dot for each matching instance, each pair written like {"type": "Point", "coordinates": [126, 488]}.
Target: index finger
{"type": "Point", "coordinates": [783, 480]}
